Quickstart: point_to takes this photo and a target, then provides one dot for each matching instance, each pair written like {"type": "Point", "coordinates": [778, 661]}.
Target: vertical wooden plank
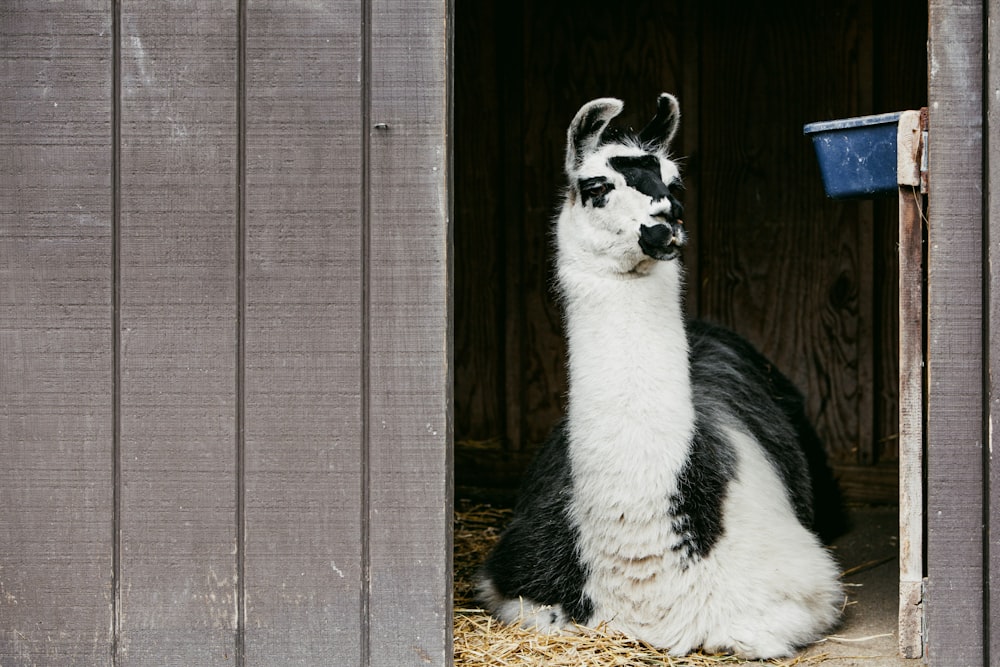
{"type": "Point", "coordinates": [509, 67]}
{"type": "Point", "coordinates": [481, 220]}
{"type": "Point", "coordinates": [992, 183]}
{"type": "Point", "coordinates": [955, 610]}
{"type": "Point", "coordinates": [911, 430]}
{"type": "Point", "coordinates": [179, 332]}
{"type": "Point", "coordinates": [55, 333]}
{"type": "Point", "coordinates": [303, 334]}
{"type": "Point", "coordinates": [409, 346]}
{"type": "Point", "coordinates": [911, 386]}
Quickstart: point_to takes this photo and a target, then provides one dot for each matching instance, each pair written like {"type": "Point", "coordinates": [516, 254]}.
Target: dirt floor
{"type": "Point", "coordinates": [867, 637]}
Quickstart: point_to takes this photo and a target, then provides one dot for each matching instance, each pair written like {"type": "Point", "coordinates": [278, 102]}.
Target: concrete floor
{"type": "Point", "coordinates": [868, 634]}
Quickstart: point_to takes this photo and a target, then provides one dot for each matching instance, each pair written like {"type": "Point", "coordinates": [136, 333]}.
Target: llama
{"type": "Point", "coordinates": [675, 501]}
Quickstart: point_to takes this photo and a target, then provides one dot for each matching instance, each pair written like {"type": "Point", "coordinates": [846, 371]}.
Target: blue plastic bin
{"type": "Point", "coordinates": [857, 156]}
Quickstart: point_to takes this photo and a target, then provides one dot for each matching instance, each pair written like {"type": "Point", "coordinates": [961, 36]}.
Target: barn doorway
{"type": "Point", "coordinates": [811, 282]}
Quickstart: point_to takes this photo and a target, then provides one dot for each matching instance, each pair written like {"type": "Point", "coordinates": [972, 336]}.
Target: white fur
{"type": "Point", "coordinates": [546, 618]}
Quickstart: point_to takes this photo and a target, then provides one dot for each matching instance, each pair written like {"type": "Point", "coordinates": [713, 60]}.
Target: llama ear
{"type": "Point", "coordinates": [585, 131]}
{"type": "Point", "coordinates": [662, 129]}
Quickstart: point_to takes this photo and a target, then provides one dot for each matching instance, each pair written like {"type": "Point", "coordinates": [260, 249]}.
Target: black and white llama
{"type": "Point", "coordinates": [675, 502]}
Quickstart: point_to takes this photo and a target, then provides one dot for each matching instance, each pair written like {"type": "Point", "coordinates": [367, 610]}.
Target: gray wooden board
{"type": "Point", "coordinates": [303, 334]}
{"type": "Point", "coordinates": [178, 337]}
{"type": "Point", "coordinates": [55, 333]}
{"type": "Point", "coordinates": [409, 388]}
{"type": "Point", "coordinates": [955, 610]}
{"type": "Point", "coordinates": [992, 183]}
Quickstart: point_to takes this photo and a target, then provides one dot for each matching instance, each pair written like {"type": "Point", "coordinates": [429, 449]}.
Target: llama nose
{"type": "Point", "coordinates": [658, 241]}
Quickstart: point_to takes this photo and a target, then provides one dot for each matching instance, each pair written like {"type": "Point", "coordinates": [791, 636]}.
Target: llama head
{"type": "Point", "coordinates": [619, 214]}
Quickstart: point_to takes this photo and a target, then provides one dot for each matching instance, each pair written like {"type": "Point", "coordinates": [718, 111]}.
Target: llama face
{"type": "Point", "coordinates": [620, 211]}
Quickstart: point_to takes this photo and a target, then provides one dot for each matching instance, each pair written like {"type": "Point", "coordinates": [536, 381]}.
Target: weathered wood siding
{"type": "Point", "coordinates": [991, 181]}
{"type": "Point", "coordinates": [56, 356]}
{"type": "Point", "coordinates": [178, 591]}
{"type": "Point", "coordinates": [956, 616]}
{"type": "Point", "coordinates": [409, 379]}
{"type": "Point", "coordinates": [225, 339]}
{"type": "Point", "coordinates": [303, 328]}
{"type": "Point", "coordinates": [810, 281]}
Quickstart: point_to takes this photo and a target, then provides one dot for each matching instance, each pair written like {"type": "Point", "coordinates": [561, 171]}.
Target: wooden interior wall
{"type": "Point", "coordinates": [810, 281]}
{"type": "Point", "coordinates": [225, 312]}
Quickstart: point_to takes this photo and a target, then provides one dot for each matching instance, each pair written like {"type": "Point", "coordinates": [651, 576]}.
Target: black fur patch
{"type": "Point", "coordinates": [536, 556]}
{"type": "Point", "coordinates": [697, 505]}
{"type": "Point", "coordinates": [641, 172]}
{"type": "Point", "coordinates": [729, 376]}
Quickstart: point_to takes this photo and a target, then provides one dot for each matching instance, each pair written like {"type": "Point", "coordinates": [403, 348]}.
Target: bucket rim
{"type": "Point", "coordinates": [852, 123]}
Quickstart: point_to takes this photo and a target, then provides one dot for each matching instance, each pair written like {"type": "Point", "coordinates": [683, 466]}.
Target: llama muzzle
{"type": "Point", "coordinates": [661, 241]}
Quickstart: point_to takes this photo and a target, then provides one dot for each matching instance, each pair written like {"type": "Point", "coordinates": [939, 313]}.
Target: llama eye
{"type": "Point", "coordinates": [595, 190]}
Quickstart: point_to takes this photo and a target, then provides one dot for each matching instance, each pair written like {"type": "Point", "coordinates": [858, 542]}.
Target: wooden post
{"type": "Point", "coordinates": [408, 379]}
{"type": "Point", "coordinates": [955, 363]}
{"type": "Point", "coordinates": [911, 386]}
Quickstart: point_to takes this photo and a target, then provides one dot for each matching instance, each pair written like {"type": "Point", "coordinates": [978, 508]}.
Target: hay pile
{"type": "Point", "coordinates": [482, 641]}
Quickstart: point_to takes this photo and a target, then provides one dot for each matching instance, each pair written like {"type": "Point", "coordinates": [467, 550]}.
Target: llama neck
{"type": "Point", "coordinates": [630, 410]}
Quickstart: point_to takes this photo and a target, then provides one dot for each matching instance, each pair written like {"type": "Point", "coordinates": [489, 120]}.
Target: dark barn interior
{"type": "Point", "coordinates": [810, 281]}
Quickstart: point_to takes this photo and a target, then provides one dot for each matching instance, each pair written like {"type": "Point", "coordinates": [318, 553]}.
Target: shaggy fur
{"type": "Point", "coordinates": [676, 501]}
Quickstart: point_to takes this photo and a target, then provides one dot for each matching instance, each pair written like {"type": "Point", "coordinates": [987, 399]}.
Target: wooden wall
{"type": "Point", "coordinates": [224, 333]}
{"type": "Point", "coordinates": [810, 281]}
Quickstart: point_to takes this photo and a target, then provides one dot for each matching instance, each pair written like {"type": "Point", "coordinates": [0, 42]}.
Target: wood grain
{"type": "Point", "coordinates": [55, 333]}
{"type": "Point", "coordinates": [955, 427]}
{"type": "Point", "coordinates": [408, 270]}
{"type": "Point", "coordinates": [779, 263]}
{"type": "Point", "coordinates": [911, 418]}
{"type": "Point", "coordinates": [481, 223]}
{"type": "Point", "coordinates": [303, 334]}
{"type": "Point", "coordinates": [912, 396]}
{"type": "Point", "coordinates": [179, 333]}
{"type": "Point", "coordinates": [992, 184]}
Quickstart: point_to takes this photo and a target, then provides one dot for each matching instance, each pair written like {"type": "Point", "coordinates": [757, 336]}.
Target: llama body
{"type": "Point", "coordinates": [674, 503]}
